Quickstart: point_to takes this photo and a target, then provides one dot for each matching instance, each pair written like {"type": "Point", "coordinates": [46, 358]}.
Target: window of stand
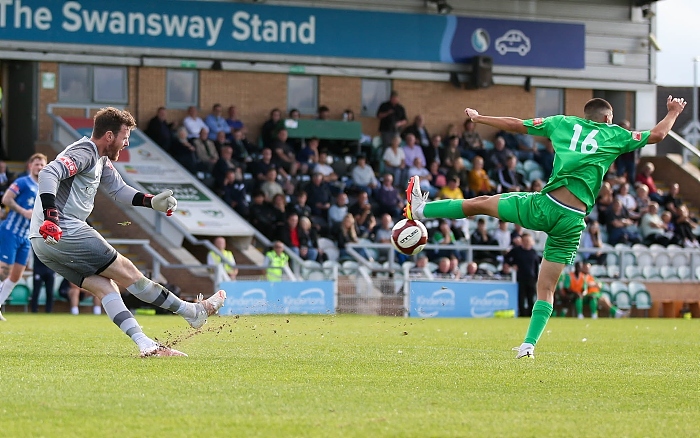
{"type": "Point", "coordinates": [302, 94]}
{"type": "Point", "coordinates": [549, 102]}
{"type": "Point", "coordinates": [374, 93]}
{"type": "Point", "coordinates": [81, 83]}
{"type": "Point", "coordinates": [182, 88]}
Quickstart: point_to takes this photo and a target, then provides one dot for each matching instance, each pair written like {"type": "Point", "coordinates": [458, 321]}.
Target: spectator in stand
{"type": "Point", "coordinates": [276, 260]}
{"type": "Point", "coordinates": [364, 231]}
{"type": "Point", "coordinates": [348, 115]}
{"type": "Point", "coordinates": [592, 238]}
{"type": "Point", "coordinates": [283, 155]}
{"type": "Point", "coordinates": [433, 150]}
{"type": "Point", "coordinates": [242, 148]}
{"type": "Point", "coordinates": [223, 165]}
{"type": "Point", "coordinates": [268, 132]}
{"type": "Point", "coordinates": [476, 273]}
{"type": "Point", "coordinates": [420, 269]}
{"type": "Point", "coordinates": [450, 153]}
{"type": "Point", "coordinates": [347, 233]}
{"type": "Point", "coordinates": [363, 177]}
{"type": "Point", "coordinates": [653, 228]}
{"type": "Point", "coordinates": [527, 147]}
{"type": "Point", "coordinates": [193, 123]}
{"type": "Point", "coordinates": [443, 236]}
{"type": "Point", "coordinates": [395, 161]}
{"type": "Point", "coordinates": [481, 236]}
{"type": "Point", "coordinates": [438, 179]}
{"type": "Point", "coordinates": [216, 123]}
{"type": "Point", "coordinates": [603, 203]}
{"type": "Point", "coordinates": [324, 168]}
{"type": "Point", "coordinates": [525, 260]}
{"type": "Point", "coordinates": [262, 217]}
{"type": "Point", "coordinates": [261, 166]}
{"type": "Point", "coordinates": [672, 201]}
{"type": "Point", "coordinates": [323, 113]}
{"type": "Point", "coordinates": [454, 266]}
{"type": "Point", "coordinates": [417, 128]}
{"type": "Point", "coordinates": [613, 178]}
{"type": "Point", "coordinates": [545, 158]}
{"type": "Point", "coordinates": [279, 207]}
{"type": "Point", "coordinates": [297, 239]}
{"type": "Point", "coordinates": [626, 198]}
{"type": "Point", "coordinates": [234, 192]}
{"type": "Point", "coordinates": [502, 235]}
{"type": "Point", "coordinates": [228, 262]}
{"type": "Point", "coordinates": [392, 119]}
{"type": "Point", "coordinates": [642, 198]}
{"type": "Point", "coordinates": [510, 179]}
{"type": "Point", "coordinates": [308, 156]}
{"type": "Point", "coordinates": [537, 185]}
{"type": "Point", "coordinates": [184, 151]}
{"type": "Point", "coordinates": [497, 158]}
{"type": "Point", "coordinates": [206, 152]}
{"type": "Point", "coordinates": [299, 206]}
{"type": "Point", "coordinates": [309, 242]}
{"type": "Point", "coordinates": [388, 197]}
{"type": "Point", "coordinates": [160, 131]}
{"type": "Point", "coordinates": [460, 172]}
{"type": "Point", "coordinates": [362, 210]}
{"type": "Point", "coordinates": [338, 211]}
{"type": "Point", "coordinates": [411, 150]}
{"type": "Point", "coordinates": [667, 218]}
{"type": "Point", "coordinates": [319, 195]}
{"type": "Point", "coordinates": [294, 114]}
{"type": "Point", "coordinates": [75, 295]}
{"type": "Point", "coordinates": [233, 121]}
{"type": "Point", "coordinates": [417, 169]}
{"type": "Point", "coordinates": [620, 225]}
{"type": "Point", "coordinates": [684, 228]}
{"type": "Point", "coordinates": [382, 232]}
{"type": "Point", "coordinates": [221, 141]}
{"type": "Point", "coordinates": [270, 187]}
{"type": "Point", "coordinates": [443, 271]}
{"type": "Point", "coordinates": [627, 163]}
{"type": "Point", "coordinates": [644, 177]}
{"type": "Point", "coordinates": [479, 182]}
{"type": "Point", "coordinates": [451, 190]}
{"type": "Point", "coordinates": [473, 143]}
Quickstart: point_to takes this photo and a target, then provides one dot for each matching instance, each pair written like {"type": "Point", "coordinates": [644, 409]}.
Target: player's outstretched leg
{"type": "Point", "coordinates": [542, 310]}
{"type": "Point", "coordinates": [418, 207]}
{"type": "Point", "coordinates": [195, 314]}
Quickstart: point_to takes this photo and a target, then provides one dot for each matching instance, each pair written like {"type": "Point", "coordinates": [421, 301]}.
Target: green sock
{"type": "Point", "coordinates": [594, 305]}
{"type": "Point", "coordinates": [613, 310]}
{"type": "Point", "coordinates": [579, 306]}
{"type": "Point", "coordinates": [447, 208]}
{"type": "Point", "coordinates": [540, 315]}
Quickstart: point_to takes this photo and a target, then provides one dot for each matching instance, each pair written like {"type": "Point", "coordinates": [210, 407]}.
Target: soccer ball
{"type": "Point", "coordinates": [409, 237]}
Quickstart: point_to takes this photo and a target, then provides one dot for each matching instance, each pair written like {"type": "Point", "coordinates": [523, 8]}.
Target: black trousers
{"type": "Point", "coordinates": [527, 295]}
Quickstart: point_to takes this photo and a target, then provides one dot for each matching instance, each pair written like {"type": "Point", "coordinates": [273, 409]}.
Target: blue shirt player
{"type": "Point", "coordinates": [14, 230]}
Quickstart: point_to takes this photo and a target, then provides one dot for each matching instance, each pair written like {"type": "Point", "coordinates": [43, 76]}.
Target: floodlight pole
{"type": "Point", "coordinates": [692, 131]}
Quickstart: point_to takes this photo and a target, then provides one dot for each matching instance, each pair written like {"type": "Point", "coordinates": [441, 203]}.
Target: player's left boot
{"type": "Point", "coordinates": [415, 200]}
{"type": "Point", "coordinates": [622, 313]}
{"type": "Point", "coordinates": [2, 318]}
{"type": "Point", "coordinates": [525, 350]}
{"type": "Point", "coordinates": [161, 351]}
{"type": "Point", "coordinates": [205, 308]}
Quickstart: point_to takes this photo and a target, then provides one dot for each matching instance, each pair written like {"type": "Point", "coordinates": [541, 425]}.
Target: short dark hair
{"type": "Point", "coordinates": [597, 108]}
{"type": "Point", "coordinates": [323, 108]}
{"type": "Point", "coordinates": [111, 119]}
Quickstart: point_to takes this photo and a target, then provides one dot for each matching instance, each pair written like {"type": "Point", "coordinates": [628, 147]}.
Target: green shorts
{"type": "Point", "coordinates": [541, 212]}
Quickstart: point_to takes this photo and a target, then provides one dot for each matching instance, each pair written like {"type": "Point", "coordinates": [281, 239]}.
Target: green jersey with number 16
{"type": "Point", "coordinates": [583, 152]}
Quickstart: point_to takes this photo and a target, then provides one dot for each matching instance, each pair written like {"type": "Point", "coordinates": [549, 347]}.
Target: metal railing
{"type": "Point", "coordinates": [688, 148]}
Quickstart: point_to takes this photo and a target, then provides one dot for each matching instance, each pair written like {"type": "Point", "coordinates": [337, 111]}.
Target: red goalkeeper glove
{"type": "Point", "coordinates": [50, 230]}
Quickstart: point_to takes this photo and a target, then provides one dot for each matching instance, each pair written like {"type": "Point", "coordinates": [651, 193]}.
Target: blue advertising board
{"type": "Point", "coordinates": [283, 297]}
{"type": "Point", "coordinates": [290, 30]}
{"type": "Point", "coordinates": [430, 299]}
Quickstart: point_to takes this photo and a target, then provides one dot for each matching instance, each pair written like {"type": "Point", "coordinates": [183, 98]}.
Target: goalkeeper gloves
{"type": "Point", "coordinates": [50, 230]}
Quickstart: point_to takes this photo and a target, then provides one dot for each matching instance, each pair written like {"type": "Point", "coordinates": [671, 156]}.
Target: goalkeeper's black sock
{"type": "Point", "coordinates": [151, 292]}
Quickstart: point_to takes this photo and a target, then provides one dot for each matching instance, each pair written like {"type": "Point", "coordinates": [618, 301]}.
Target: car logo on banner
{"type": "Point", "coordinates": [480, 40]}
{"type": "Point", "coordinates": [429, 307]}
{"type": "Point", "coordinates": [513, 41]}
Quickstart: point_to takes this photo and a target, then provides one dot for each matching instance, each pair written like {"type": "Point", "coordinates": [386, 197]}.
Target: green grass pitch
{"type": "Point", "coordinates": [355, 376]}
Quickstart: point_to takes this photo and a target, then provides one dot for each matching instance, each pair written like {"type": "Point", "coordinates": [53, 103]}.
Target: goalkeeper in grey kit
{"type": "Point", "coordinates": [64, 242]}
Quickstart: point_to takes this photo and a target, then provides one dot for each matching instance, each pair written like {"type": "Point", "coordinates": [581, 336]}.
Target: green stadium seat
{"type": "Point", "coordinates": [20, 296]}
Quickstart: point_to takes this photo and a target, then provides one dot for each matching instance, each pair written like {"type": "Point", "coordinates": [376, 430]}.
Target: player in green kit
{"type": "Point", "coordinates": [584, 149]}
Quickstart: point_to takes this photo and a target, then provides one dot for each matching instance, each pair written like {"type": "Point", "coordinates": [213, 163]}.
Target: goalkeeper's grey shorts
{"type": "Point", "coordinates": [78, 255]}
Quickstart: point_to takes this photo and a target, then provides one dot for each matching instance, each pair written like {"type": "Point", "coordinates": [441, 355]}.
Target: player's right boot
{"type": "Point", "coordinates": [205, 308]}
{"type": "Point", "coordinates": [415, 200]}
{"type": "Point", "coordinates": [161, 351]}
{"type": "Point", "coordinates": [2, 318]}
{"type": "Point", "coordinates": [525, 350]}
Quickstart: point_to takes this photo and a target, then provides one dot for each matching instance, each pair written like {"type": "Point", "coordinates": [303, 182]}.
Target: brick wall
{"type": "Point", "coordinates": [255, 94]}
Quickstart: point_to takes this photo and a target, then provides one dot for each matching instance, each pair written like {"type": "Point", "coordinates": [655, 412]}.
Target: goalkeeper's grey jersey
{"type": "Point", "coordinates": [74, 177]}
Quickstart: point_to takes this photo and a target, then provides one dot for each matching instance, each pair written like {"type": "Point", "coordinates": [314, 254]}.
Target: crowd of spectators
{"type": "Point", "coordinates": [294, 191]}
